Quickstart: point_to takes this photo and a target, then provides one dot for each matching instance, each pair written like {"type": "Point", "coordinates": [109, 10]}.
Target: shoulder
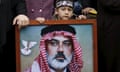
{"type": "Point", "coordinates": [35, 67]}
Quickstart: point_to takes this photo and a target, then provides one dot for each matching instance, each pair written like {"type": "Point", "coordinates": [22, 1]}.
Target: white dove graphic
{"type": "Point", "coordinates": [27, 47]}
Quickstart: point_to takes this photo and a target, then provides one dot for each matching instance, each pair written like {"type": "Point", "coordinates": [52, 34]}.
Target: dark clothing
{"type": "Point", "coordinates": [40, 8]}
{"type": "Point", "coordinates": [94, 4]}
{"type": "Point", "coordinates": [81, 4]}
{"type": "Point", "coordinates": [8, 10]}
{"type": "Point", "coordinates": [77, 7]}
{"type": "Point", "coordinates": [89, 3]}
{"type": "Point", "coordinates": [108, 35]}
{"type": "Point", "coordinates": [86, 3]}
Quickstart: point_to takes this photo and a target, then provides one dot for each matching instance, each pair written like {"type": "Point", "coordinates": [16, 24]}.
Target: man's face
{"type": "Point", "coordinates": [59, 50]}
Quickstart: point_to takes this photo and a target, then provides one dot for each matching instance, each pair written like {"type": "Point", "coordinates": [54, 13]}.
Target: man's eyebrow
{"type": "Point", "coordinates": [69, 40]}
{"type": "Point", "coordinates": [53, 40]}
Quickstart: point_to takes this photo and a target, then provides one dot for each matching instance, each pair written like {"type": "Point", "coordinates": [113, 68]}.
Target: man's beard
{"type": "Point", "coordinates": [59, 63]}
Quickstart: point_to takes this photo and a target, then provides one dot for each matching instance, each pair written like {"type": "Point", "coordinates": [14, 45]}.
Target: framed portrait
{"type": "Point", "coordinates": [28, 41]}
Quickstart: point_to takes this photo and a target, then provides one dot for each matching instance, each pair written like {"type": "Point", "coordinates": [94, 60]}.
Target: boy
{"type": "Point", "coordinates": [64, 11]}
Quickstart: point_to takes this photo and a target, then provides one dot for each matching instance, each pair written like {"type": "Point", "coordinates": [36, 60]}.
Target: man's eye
{"type": "Point", "coordinates": [53, 43]}
{"type": "Point", "coordinates": [67, 43]}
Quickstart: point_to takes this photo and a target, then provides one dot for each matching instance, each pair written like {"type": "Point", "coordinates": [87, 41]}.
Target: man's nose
{"type": "Point", "coordinates": [60, 48]}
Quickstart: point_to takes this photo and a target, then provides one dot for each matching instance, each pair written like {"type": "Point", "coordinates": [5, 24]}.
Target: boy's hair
{"type": "Point", "coordinates": [59, 3]}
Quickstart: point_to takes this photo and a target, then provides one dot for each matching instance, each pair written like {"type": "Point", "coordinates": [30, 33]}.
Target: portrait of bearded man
{"type": "Point", "coordinates": [59, 51]}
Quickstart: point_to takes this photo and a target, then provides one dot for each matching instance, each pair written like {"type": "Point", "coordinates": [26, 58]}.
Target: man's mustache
{"type": "Point", "coordinates": [60, 54]}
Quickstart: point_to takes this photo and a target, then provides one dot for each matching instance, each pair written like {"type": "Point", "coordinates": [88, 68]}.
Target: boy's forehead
{"type": "Point", "coordinates": [66, 7]}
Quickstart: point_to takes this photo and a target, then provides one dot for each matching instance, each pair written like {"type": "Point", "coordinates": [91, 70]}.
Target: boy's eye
{"type": "Point", "coordinates": [70, 9]}
{"type": "Point", "coordinates": [63, 9]}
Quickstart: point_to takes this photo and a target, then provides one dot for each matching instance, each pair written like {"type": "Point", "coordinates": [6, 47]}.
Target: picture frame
{"type": "Point", "coordinates": [86, 35]}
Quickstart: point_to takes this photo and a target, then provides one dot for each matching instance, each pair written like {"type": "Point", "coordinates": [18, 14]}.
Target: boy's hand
{"type": "Point", "coordinates": [80, 17]}
{"type": "Point", "coordinates": [40, 19]}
